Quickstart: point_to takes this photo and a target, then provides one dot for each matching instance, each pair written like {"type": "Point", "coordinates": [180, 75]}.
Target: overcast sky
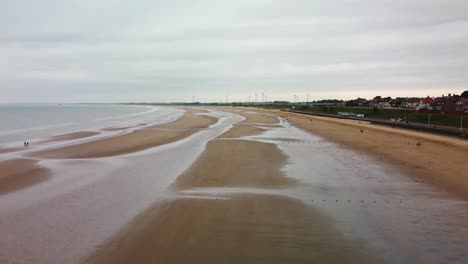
{"type": "Point", "coordinates": [152, 50]}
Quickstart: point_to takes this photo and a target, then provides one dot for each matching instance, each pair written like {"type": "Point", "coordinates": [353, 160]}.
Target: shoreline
{"type": "Point", "coordinates": [85, 202]}
{"type": "Point", "coordinates": [244, 194]}
{"type": "Point", "coordinates": [434, 159]}
{"type": "Point", "coordinates": [23, 170]}
{"type": "Point", "coordinates": [236, 227]}
{"type": "Point", "coordinates": [137, 140]}
{"type": "Point", "coordinates": [70, 136]}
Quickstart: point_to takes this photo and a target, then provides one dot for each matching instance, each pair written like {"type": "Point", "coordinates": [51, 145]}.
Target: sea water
{"type": "Point", "coordinates": [27, 122]}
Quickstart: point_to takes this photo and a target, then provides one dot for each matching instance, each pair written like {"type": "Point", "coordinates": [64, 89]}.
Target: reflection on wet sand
{"type": "Point", "coordinates": [240, 229]}
{"type": "Point", "coordinates": [241, 187]}
{"type": "Point", "coordinates": [132, 142]}
{"type": "Point", "coordinates": [20, 173]}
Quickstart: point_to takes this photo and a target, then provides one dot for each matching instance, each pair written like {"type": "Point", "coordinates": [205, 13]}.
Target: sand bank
{"type": "Point", "coordinates": [242, 229]}
{"type": "Point", "coordinates": [259, 118]}
{"type": "Point", "coordinates": [237, 163]}
{"type": "Point", "coordinates": [117, 128]}
{"type": "Point", "coordinates": [135, 141]}
{"type": "Point", "coordinates": [240, 130]}
{"type": "Point", "coordinates": [20, 173]}
{"type": "Point", "coordinates": [189, 110]}
{"type": "Point", "coordinates": [438, 160]}
{"type": "Point", "coordinates": [8, 150]}
{"type": "Point", "coordinates": [254, 123]}
{"type": "Point", "coordinates": [238, 228]}
{"type": "Point", "coordinates": [188, 121]}
{"type": "Point", "coordinates": [70, 136]}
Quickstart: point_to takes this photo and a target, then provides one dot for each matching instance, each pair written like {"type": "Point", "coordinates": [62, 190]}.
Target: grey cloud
{"type": "Point", "coordinates": [163, 51]}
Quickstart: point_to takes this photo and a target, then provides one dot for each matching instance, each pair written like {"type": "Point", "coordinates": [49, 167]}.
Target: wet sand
{"type": "Point", "coordinates": [188, 121]}
{"type": "Point", "coordinates": [239, 130]}
{"type": "Point", "coordinates": [20, 173]}
{"type": "Point", "coordinates": [193, 110]}
{"type": "Point", "coordinates": [237, 163]}
{"type": "Point", "coordinates": [8, 150]}
{"type": "Point", "coordinates": [117, 128]}
{"type": "Point", "coordinates": [439, 160]}
{"type": "Point", "coordinates": [255, 226]}
{"type": "Point", "coordinates": [239, 228]}
{"type": "Point", "coordinates": [257, 117]}
{"type": "Point", "coordinates": [135, 141]}
{"type": "Point", "coordinates": [254, 123]}
{"type": "Point", "coordinates": [70, 136]}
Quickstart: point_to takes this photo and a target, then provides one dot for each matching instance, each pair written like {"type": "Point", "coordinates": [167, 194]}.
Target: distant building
{"type": "Point", "coordinates": [381, 102]}
{"type": "Point", "coordinates": [426, 103]}
{"type": "Point", "coordinates": [412, 102]}
{"type": "Point", "coordinates": [443, 104]}
{"type": "Point", "coordinates": [462, 105]}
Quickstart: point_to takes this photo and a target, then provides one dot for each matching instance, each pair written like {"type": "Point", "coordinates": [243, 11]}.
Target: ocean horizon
{"type": "Point", "coordinates": [25, 122]}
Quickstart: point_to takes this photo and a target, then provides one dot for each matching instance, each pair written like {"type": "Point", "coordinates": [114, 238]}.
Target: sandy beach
{"type": "Point", "coordinates": [253, 229]}
{"type": "Point", "coordinates": [438, 160]}
{"type": "Point", "coordinates": [237, 163]}
{"type": "Point", "coordinates": [250, 126]}
{"type": "Point", "coordinates": [181, 132]}
{"type": "Point", "coordinates": [74, 135]}
{"type": "Point", "coordinates": [137, 140]}
{"type": "Point", "coordinates": [246, 197]}
{"type": "Point", "coordinates": [240, 228]}
{"type": "Point", "coordinates": [7, 150]}
{"type": "Point", "coordinates": [20, 173]}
